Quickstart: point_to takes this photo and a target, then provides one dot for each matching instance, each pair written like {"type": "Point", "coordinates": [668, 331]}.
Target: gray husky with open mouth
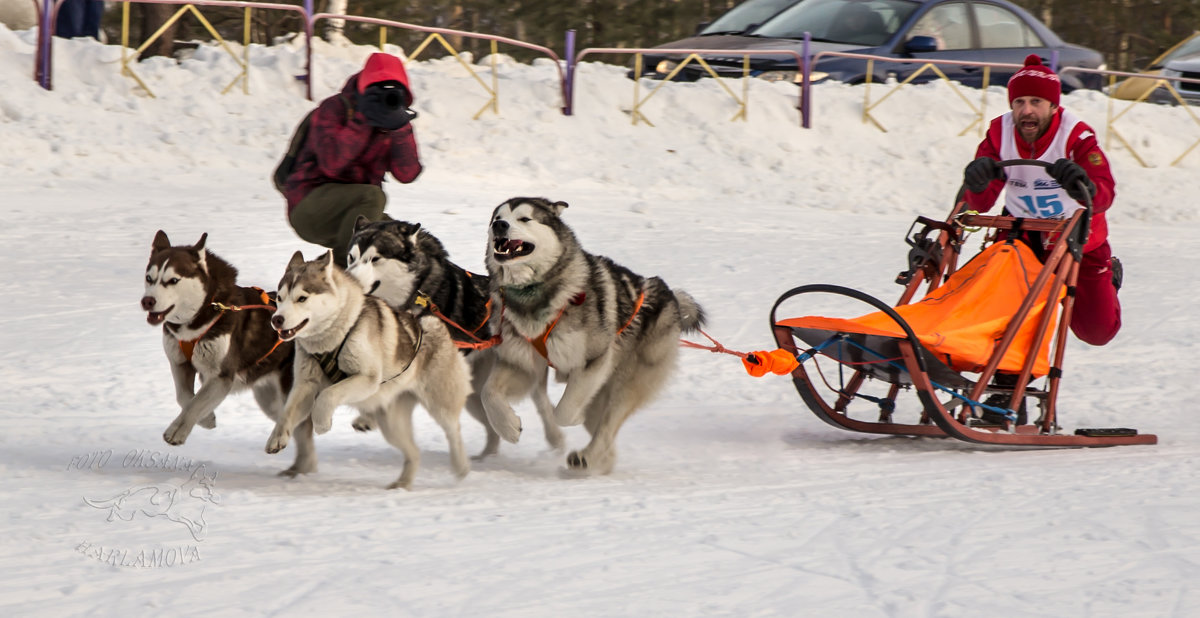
{"type": "Point", "coordinates": [611, 335]}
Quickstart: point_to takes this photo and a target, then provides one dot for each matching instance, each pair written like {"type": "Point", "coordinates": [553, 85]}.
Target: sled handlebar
{"type": "Point", "coordinates": [1078, 237]}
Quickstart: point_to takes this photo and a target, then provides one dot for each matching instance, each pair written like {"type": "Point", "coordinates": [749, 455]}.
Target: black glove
{"type": "Point", "coordinates": [980, 173]}
{"type": "Point", "coordinates": [1069, 176]}
{"type": "Point", "coordinates": [385, 106]}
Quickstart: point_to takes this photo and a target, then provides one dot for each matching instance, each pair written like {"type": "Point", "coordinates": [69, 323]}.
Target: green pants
{"type": "Point", "coordinates": [326, 215]}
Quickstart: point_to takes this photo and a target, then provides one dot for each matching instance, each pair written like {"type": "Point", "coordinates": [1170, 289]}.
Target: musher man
{"type": "Point", "coordinates": [1038, 128]}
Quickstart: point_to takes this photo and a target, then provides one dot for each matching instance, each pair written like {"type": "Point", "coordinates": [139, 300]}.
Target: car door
{"type": "Point", "coordinates": [1005, 37]}
{"type": "Point", "coordinates": [948, 24]}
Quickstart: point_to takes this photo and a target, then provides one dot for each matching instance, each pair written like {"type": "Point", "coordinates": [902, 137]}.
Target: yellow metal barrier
{"type": "Point", "coordinates": [435, 35]}
{"type": "Point", "coordinates": [493, 91]}
{"type": "Point", "coordinates": [493, 100]}
{"type": "Point", "coordinates": [977, 112]}
{"type": "Point", "coordinates": [1112, 119]}
{"type": "Point", "coordinates": [690, 55]}
{"type": "Point", "coordinates": [242, 62]}
{"type": "Point", "coordinates": [639, 102]}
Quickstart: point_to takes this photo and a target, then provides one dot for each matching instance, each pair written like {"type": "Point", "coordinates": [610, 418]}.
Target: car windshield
{"type": "Point", "coordinates": [1187, 48]}
{"type": "Point", "coordinates": [746, 15]}
{"type": "Point", "coordinates": [858, 22]}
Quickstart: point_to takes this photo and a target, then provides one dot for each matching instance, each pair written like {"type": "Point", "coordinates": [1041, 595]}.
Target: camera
{"type": "Point", "coordinates": [393, 98]}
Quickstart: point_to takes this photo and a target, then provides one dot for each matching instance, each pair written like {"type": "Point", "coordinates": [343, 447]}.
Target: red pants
{"type": "Point", "coordinates": [1097, 314]}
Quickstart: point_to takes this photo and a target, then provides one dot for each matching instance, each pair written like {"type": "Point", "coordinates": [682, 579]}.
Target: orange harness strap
{"type": "Point", "coordinates": [189, 347]}
{"type": "Point", "coordinates": [423, 300]}
{"type": "Point", "coordinates": [636, 308]}
{"type": "Point", "coordinates": [539, 344]}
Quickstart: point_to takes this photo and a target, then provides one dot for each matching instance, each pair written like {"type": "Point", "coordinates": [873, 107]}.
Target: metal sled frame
{"type": "Point", "coordinates": [904, 361]}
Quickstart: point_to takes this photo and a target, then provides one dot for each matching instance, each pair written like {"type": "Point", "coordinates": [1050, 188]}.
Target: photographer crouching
{"type": "Point", "coordinates": [353, 138]}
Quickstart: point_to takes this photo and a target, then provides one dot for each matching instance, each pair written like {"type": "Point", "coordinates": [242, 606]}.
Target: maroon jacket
{"type": "Point", "coordinates": [342, 148]}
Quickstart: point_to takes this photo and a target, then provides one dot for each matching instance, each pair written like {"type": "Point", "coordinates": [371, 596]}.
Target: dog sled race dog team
{"type": "Point", "coordinates": [404, 325]}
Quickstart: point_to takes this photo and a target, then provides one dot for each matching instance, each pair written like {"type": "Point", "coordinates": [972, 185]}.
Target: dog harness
{"type": "Point", "coordinates": [329, 362]}
{"type": "Point", "coordinates": [539, 344]}
{"type": "Point", "coordinates": [189, 347]}
{"type": "Point", "coordinates": [423, 300]}
{"type": "Point", "coordinates": [332, 370]}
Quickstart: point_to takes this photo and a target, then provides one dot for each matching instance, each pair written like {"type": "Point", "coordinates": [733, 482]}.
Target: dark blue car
{"type": "Point", "coordinates": [968, 30]}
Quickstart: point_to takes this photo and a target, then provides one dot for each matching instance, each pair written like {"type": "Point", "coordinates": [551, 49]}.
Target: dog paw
{"type": "Point", "coordinates": [177, 433]}
{"type": "Point", "coordinates": [401, 484]}
{"type": "Point", "coordinates": [508, 426]}
{"type": "Point", "coordinates": [488, 451]}
{"type": "Point", "coordinates": [296, 470]}
{"type": "Point", "coordinates": [364, 422]}
{"type": "Point", "coordinates": [580, 464]}
{"type": "Point", "coordinates": [576, 461]}
{"type": "Point", "coordinates": [278, 440]}
{"type": "Point", "coordinates": [209, 422]}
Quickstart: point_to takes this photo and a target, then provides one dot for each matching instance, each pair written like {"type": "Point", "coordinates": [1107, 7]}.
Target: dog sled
{"type": "Point", "coordinates": [1002, 313]}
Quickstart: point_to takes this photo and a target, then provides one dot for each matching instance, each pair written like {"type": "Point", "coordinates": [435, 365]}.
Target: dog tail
{"type": "Point", "coordinates": [691, 316]}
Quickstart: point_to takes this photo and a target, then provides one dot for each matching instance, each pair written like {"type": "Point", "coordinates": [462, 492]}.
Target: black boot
{"type": "Point", "coordinates": [1118, 272]}
{"type": "Point", "coordinates": [1000, 400]}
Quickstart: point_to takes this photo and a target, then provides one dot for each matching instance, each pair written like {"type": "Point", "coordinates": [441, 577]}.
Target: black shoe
{"type": "Point", "coordinates": [1000, 400]}
{"type": "Point", "coordinates": [1118, 272]}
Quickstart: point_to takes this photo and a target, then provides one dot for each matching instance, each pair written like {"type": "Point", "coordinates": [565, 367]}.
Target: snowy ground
{"type": "Point", "coordinates": [729, 497]}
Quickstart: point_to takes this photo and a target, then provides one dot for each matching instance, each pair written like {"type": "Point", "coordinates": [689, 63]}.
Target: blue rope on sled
{"type": "Point", "coordinates": [1011, 415]}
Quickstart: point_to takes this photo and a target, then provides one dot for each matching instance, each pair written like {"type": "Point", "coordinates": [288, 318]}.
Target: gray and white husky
{"type": "Point", "coordinates": [228, 350]}
{"type": "Point", "coordinates": [402, 262]}
{"type": "Point", "coordinates": [352, 349]}
{"type": "Point", "coordinates": [611, 335]}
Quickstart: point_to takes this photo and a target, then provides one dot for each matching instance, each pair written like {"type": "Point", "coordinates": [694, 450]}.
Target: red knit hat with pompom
{"type": "Point", "coordinates": [1035, 80]}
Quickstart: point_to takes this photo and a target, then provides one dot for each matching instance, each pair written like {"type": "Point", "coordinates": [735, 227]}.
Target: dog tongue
{"type": "Point", "coordinates": [513, 245]}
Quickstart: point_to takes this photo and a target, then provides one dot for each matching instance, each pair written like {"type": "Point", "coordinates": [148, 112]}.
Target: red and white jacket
{"type": "Point", "coordinates": [1078, 143]}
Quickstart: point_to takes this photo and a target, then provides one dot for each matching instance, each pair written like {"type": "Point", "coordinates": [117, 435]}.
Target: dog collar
{"type": "Point", "coordinates": [521, 292]}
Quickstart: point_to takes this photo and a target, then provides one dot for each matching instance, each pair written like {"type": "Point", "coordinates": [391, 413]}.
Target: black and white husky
{"type": "Point", "coordinates": [611, 335]}
{"type": "Point", "coordinates": [352, 349]}
{"type": "Point", "coordinates": [186, 288]}
{"type": "Point", "coordinates": [409, 268]}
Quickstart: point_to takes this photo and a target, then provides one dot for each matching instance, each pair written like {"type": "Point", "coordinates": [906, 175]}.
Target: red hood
{"type": "Point", "coordinates": [380, 67]}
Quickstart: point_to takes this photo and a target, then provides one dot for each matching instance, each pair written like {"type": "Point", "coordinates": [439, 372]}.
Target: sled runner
{"type": "Point", "coordinates": [1003, 312]}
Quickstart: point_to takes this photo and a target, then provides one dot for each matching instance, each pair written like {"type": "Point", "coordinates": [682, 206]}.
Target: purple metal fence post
{"type": "Point", "coordinates": [1054, 60]}
{"type": "Point", "coordinates": [308, 35]}
{"type": "Point", "coordinates": [806, 84]}
{"type": "Point", "coordinates": [44, 43]}
{"type": "Point", "coordinates": [569, 86]}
